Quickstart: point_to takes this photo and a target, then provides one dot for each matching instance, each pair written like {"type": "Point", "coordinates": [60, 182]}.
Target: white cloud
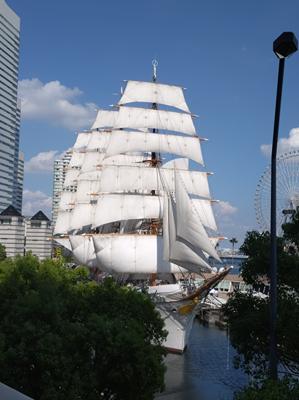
{"type": "Point", "coordinates": [54, 103]}
{"type": "Point", "coordinates": [35, 201]}
{"type": "Point", "coordinates": [284, 144]}
{"type": "Point", "coordinates": [43, 161]}
{"type": "Point", "coordinates": [224, 208]}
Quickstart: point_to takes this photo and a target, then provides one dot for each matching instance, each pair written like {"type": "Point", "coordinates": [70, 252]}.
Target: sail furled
{"type": "Point", "coordinates": [152, 92]}
{"type": "Point", "coordinates": [137, 117]}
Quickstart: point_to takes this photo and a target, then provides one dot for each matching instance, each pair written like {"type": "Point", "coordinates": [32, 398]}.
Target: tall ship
{"type": "Point", "coordinates": [136, 199]}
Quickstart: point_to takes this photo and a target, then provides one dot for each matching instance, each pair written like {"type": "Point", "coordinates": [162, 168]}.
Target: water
{"type": "Point", "coordinates": [205, 371]}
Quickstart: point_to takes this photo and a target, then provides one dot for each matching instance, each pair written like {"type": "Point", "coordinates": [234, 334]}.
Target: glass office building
{"type": "Point", "coordinates": [11, 163]}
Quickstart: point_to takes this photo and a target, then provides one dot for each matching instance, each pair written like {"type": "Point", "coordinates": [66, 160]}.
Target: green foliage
{"type": "Point", "coordinates": [65, 337]}
{"type": "Point", "coordinates": [2, 252]}
{"type": "Point", "coordinates": [271, 390]}
{"type": "Point", "coordinates": [256, 268]}
{"type": "Point", "coordinates": [248, 316]}
{"type": "Point", "coordinates": [291, 231]}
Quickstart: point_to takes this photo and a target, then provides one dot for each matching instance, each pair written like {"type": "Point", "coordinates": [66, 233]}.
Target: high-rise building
{"type": "Point", "coordinates": [10, 166]}
{"type": "Point", "coordinates": [18, 197]}
{"type": "Point", "coordinates": [60, 168]}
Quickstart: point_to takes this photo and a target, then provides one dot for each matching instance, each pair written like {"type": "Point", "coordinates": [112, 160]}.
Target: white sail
{"type": "Point", "coordinates": [117, 207]}
{"type": "Point", "coordinates": [134, 158]}
{"type": "Point", "coordinates": [105, 119]}
{"type": "Point", "coordinates": [92, 161]}
{"type": "Point", "coordinates": [83, 250]}
{"type": "Point", "coordinates": [132, 254]}
{"type": "Point", "coordinates": [62, 223]}
{"type": "Point", "coordinates": [67, 200]}
{"type": "Point", "coordinates": [189, 227]}
{"type": "Point", "coordinates": [203, 209]}
{"type": "Point", "coordinates": [98, 141]}
{"type": "Point", "coordinates": [71, 177]}
{"type": "Point", "coordinates": [176, 251]}
{"type": "Point", "coordinates": [64, 241]}
{"type": "Point", "coordinates": [88, 189]}
{"type": "Point", "coordinates": [151, 92]}
{"type": "Point", "coordinates": [118, 191]}
{"type": "Point", "coordinates": [82, 140]}
{"type": "Point", "coordinates": [144, 179]}
{"type": "Point", "coordinates": [126, 142]}
{"type": "Point", "coordinates": [82, 216]}
{"type": "Point", "coordinates": [77, 159]}
{"type": "Point", "coordinates": [137, 117]}
{"type": "Point", "coordinates": [177, 163]}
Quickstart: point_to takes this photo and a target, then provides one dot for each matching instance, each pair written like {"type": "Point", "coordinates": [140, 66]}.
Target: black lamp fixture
{"type": "Point", "coordinates": [285, 45]}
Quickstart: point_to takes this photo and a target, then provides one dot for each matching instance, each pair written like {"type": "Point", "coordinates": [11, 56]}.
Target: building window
{"type": "Point", "coordinates": [5, 221]}
{"type": "Point", "coordinates": [35, 224]}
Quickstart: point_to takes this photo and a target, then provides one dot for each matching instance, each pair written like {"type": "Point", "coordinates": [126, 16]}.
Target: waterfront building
{"type": "Point", "coordinates": [38, 233]}
{"type": "Point", "coordinates": [229, 259]}
{"type": "Point", "coordinates": [60, 170]}
{"type": "Point", "coordinates": [12, 231]}
{"type": "Point", "coordinates": [10, 164]}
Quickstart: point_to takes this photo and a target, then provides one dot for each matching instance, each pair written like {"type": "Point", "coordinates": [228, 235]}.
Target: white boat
{"type": "Point", "coordinates": [139, 208]}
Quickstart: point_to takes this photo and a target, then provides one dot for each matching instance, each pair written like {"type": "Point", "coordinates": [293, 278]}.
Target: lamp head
{"type": "Point", "coordinates": [285, 45]}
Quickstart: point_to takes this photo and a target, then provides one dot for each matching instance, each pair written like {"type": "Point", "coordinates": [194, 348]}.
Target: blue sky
{"type": "Point", "coordinates": [221, 51]}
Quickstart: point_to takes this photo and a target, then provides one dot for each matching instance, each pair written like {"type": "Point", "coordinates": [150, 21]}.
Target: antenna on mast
{"type": "Point", "coordinates": [154, 64]}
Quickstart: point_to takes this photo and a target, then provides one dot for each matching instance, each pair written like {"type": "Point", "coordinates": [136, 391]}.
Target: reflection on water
{"type": "Point", "coordinates": [205, 371]}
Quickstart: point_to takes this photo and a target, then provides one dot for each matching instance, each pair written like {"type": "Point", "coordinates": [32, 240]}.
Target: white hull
{"type": "Point", "coordinates": [177, 326]}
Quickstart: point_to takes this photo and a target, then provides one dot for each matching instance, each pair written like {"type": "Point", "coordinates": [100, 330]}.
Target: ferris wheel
{"type": "Point", "coordinates": [287, 191]}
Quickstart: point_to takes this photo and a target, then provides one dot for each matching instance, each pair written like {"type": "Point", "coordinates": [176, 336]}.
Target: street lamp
{"type": "Point", "coordinates": [285, 45]}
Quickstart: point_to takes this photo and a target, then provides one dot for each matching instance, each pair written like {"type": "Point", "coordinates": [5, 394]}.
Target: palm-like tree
{"type": "Point", "coordinates": [233, 242]}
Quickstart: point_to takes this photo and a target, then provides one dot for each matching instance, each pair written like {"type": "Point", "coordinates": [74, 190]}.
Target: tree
{"type": "Point", "coordinates": [2, 252]}
{"type": "Point", "coordinates": [62, 336]}
{"type": "Point", "coordinates": [233, 241]}
{"type": "Point", "coordinates": [248, 315]}
{"type": "Point", "coordinates": [284, 389]}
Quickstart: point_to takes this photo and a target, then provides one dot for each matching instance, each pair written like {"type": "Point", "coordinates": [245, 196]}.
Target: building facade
{"type": "Point", "coordinates": [12, 231]}
{"type": "Point", "coordinates": [60, 168]}
{"type": "Point", "coordinates": [9, 109]}
{"type": "Point", "coordinates": [20, 235]}
{"type": "Point", "coordinates": [38, 233]}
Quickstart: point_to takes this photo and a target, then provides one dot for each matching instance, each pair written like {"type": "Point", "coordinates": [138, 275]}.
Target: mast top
{"type": "Point", "coordinates": [154, 64]}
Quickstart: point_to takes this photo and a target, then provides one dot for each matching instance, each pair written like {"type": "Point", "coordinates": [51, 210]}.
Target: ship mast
{"type": "Point", "coordinates": [154, 159]}
{"type": "Point", "coordinates": [155, 225]}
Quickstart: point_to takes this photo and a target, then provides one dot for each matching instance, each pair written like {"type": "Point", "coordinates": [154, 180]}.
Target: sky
{"type": "Point", "coordinates": [75, 55]}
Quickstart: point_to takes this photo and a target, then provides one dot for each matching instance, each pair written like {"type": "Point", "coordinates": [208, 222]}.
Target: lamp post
{"type": "Point", "coordinates": [283, 46]}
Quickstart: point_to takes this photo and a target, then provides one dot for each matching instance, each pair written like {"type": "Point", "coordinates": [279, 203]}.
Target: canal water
{"type": "Point", "coordinates": [205, 371]}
